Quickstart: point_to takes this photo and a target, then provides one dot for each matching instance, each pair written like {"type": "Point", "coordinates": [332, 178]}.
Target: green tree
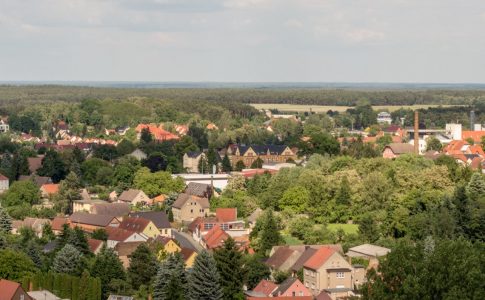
{"type": "Point", "coordinates": [125, 147]}
{"type": "Point", "coordinates": [154, 184]}
{"type": "Point", "coordinates": [267, 232]}
{"type": "Point", "coordinates": [15, 265]}
{"type": "Point", "coordinates": [90, 169]}
{"type": "Point", "coordinates": [69, 190]}
{"type": "Point", "coordinates": [368, 229]}
{"type": "Point", "coordinates": [255, 270]}
{"type": "Point", "coordinates": [68, 261]}
{"type": "Point", "coordinates": [476, 186]}
{"type": "Point", "coordinates": [143, 266]}
{"type": "Point", "coordinates": [229, 261]}
{"type": "Point", "coordinates": [5, 221]}
{"type": "Point", "coordinates": [226, 164]}
{"type": "Point", "coordinates": [203, 165]}
{"type": "Point", "coordinates": [434, 144]}
{"type": "Point", "coordinates": [343, 194]}
{"type": "Point", "coordinates": [53, 166]}
{"type": "Point", "coordinates": [146, 136]}
{"type": "Point", "coordinates": [295, 200]}
{"type": "Point", "coordinates": [171, 280]}
{"type": "Point", "coordinates": [240, 166]}
{"type": "Point", "coordinates": [100, 234]}
{"type": "Point", "coordinates": [21, 192]}
{"type": "Point", "coordinates": [212, 159]}
{"type": "Point", "coordinates": [106, 267]}
{"type": "Point", "coordinates": [257, 164]}
{"type": "Point", "coordinates": [78, 239]}
{"type": "Point", "coordinates": [203, 281]}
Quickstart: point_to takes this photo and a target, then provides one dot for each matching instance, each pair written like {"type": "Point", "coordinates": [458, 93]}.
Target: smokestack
{"type": "Point", "coordinates": [472, 120]}
{"type": "Point", "coordinates": [416, 132]}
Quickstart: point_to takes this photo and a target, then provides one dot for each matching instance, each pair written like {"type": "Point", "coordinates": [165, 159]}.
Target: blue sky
{"type": "Point", "coordinates": [243, 40]}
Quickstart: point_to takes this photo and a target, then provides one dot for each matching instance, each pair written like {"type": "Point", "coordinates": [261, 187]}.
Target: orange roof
{"type": "Point", "coordinates": [215, 237]}
{"type": "Point", "coordinates": [455, 146]}
{"type": "Point", "coordinates": [50, 188]}
{"type": "Point", "coordinates": [476, 163]}
{"type": "Point", "coordinates": [58, 222]}
{"type": "Point", "coordinates": [476, 136]}
{"type": "Point", "coordinates": [459, 156]}
{"type": "Point", "coordinates": [8, 289]}
{"type": "Point", "coordinates": [475, 149]}
{"type": "Point", "coordinates": [265, 287]}
{"type": "Point", "coordinates": [94, 244]}
{"type": "Point", "coordinates": [158, 133]}
{"type": "Point", "coordinates": [159, 198]}
{"type": "Point", "coordinates": [226, 214]}
{"type": "Point", "coordinates": [319, 258]}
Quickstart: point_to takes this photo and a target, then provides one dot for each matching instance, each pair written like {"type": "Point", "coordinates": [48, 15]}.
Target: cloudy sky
{"type": "Point", "coordinates": [243, 40]}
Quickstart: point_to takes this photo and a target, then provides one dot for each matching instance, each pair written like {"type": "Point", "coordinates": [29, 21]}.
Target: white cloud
{"type": "Point", "coordinates": [244, 3]}
{"type": "Point", "coordinates": [364, 35]}
{"type": "Point", "coordinates": [293, 23]}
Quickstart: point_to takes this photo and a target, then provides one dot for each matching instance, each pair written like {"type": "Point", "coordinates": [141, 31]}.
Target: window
{"type": "Point", "coordinates": [340, 274]}
{"type": "Point", "coordinates": [293, 294]}
{"type": "Point", "coordinates": [191, 211]}
{"type": "Point", "coordinates": [22, 297]}
{"type": "Point", "coordinates": [300, 293]}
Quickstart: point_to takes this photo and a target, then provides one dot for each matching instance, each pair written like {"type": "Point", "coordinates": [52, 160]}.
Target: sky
{"type": "Point", "coordinates": [426, 41]}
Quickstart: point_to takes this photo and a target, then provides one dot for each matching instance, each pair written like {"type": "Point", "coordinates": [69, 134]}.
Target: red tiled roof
{"type": "Point", "coordinates": [118, 234]}
{"type": "Point", "coordinates": [134, 224]}
{"type": "Point", "coordinates": [476, 136]}
{"type": "Point", "coordinates": [94, 244]}
{"type": "Point", "coordinates": [476, 149]}
{"type": "Point", "coordinates": [226, 214]}
{"type": "Point", "coordinates": [192, 226]}
{"type": "Point", "coordinates": [50, 188]}
{"type": "Point", "coordinates": [8, 289]}
{"type": "Point", "coordinates": [319, 258]}
{"type": "Point", "coordinates": [58, 222]}
{"type": "Point", "coordinates": [158, 133]}
{"type": "Point", "coordinates": [476, 163]}
{"type": "Point", "coordinates": [265, 287]}
{"type": "Point", "coordinates": [252, 172]}
{"type": "Point", "coordinates": [186, 253]}
{"type": "Point", "coordinates": [3, 177]}
{"type": "Point", "coordinates": [215, 237]}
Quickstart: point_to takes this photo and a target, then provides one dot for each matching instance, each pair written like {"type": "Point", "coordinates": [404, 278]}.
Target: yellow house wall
{"type": "Point", "coordinates": [151, 230]}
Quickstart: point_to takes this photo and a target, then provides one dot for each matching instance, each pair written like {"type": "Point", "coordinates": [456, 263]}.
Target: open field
{"type": "Point", "coordinates": [290, 240]}
{"type": "Point", "coordinates": [325, 108]}
{"type": "Point", "coordinates": [347, 228]}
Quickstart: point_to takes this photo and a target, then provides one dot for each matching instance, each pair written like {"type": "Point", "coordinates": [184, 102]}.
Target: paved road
{"type": "Point", "coordinates": [186, 241]}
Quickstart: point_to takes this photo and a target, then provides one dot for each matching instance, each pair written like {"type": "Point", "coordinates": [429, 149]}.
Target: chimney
{"type": "Point", "coordinates": [472, 120]}
{"type": "Point", "coordinates": [416, 132]}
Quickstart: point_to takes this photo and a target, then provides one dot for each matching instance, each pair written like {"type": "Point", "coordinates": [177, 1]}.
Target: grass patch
{"type": "Point", "coordinates": [290, 240]}
{"type": "Point", "coordinates": [347, 228]}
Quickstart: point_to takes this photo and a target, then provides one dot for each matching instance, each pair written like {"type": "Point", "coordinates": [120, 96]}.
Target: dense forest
{"type": "Point", "coordinates": [314, 96]}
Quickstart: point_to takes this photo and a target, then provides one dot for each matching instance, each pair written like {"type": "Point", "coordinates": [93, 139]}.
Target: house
{"type": "Point", "coordinates": [4, 183]}
{"type": "Point", "coordinates": [49, 189]}
{"type": "Point", "coordinates": [159, 199]}
{"type": "Point", "coordinates": [140, 225]}
{"type": "Point", "coordinates": [159, 218]}
{"type": "Point", "coordinates": [169, 244]}
{"type": "Point", "coordinates": [118, 210]}
{"type": "Point", "coordinates": [214, 238]}
{"type": "Point", "coordinates": [118, 235]}
{"type": "Point", "coordinates": [267, 153]}
{"type": "Point", "coordinates": [11, 290]}
{"type": "Point", "coordinates": [265, 288]}
{"type": "Point", "coordinates": [38, 180]}
{"type": "Point", "coordinates": [158, 133]}
{"type": "Point", "coordinates": [95, 245]}
{"type": "Point", "coordinates": [36, 224]}
{"type": "Point", "coordinates": [57, 224]}
{"type": "Point", "coordinates": [89, 222]}
{"type": "Point", "coordinates": [225, 218]}
{"type": "Point", "coordinates": [43, 295]}
{"type": "Point", "coordinates": [199, 189]}
{"type": "Point", "coordinates": [189, 257]}
{"type": "Point", "coordinates": [4, 127]}
{"type": "Point", "coordinates": [369, 252]}
{"type": "Point", "coordinates": [134, 197]}
{"type": "Point", "coordinates": [85, 205]}
{"type": "Point", "coordinates": [121, 130]}
{"type": "Point", "coordinates": [187, 208]}
{"type": "Point", "coordinates": [394, 150]}
{"type": "Point", "coordinates": [327, 269]}
{"type": "Point", "coordinates": [138, 154]}
{"type": "Point", "coordinates": [124, 251]}
{"type": "Point", "coordinates": [191, 161]}
{"type": "Point", "coordinates": [35, 163]}
{"type": "Point", "coordinates": [384, 118]}
{"type": "Point", "coordinates": [291, 287]}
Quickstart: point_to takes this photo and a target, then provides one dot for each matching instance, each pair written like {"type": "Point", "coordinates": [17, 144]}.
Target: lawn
{"type": "Point", "coordinates": [325, 108]}
{"type": "Point", "coordinates": [347, 228]}
{"type": "Point", "coordinates": [290, 240]}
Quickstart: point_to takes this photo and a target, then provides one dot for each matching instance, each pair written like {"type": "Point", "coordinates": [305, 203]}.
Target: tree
{"type": "Point", "coordinates": [154, 184]}
{"type": "Point", "coordinates": [19, 166]}
{"type": "Point", "coordinates": [146, 136]}
{"type": "Point", "coordinates": [68, 261]}
{"type": "Point", "coordinates": [295, 199]}
{"type": "Point", "coordinates": [368, 229]}
{"type": "Point", "coordinates": [34, 253]}
{"type": "Point", "coordinates": [155, 162]}
{"type": "Point", "coordinates": [107, 266]}
{"type": "Point", "coordinates": [125, 147]}
{"type": "Point", "coordinates": [5, 221]}
{"type": "Point", "coordinates": [229, 261]}
{"type": "Point", "coordinates": [203, 281]}
{"type": "Point", "coordinates": [53, 166]}
{"type": "Point", "coordinates": [257, 164]}
{"type": "Point", "coordinates": [171, 280]}
{"type": "Point", "coordinates": [212, 159]}
{"type": "Point", "coordinates": [434, 144]}
{"type": "Point", "coordinates": [21, 192]}
{"type": "Point", "coordinates": [143, 266]}
{"type": "Point", "coordinates": [90, 169]}
{"type": "Point", "coordinates": [100, 234]}
{"type": "Point", "coordinates": [226, 164]}
{"type": "Point", "coordinates": [476, 186]}
{"type": "Point", "coordinates": [203, 166]}
{"type": "Point", "coordinates": [240, 166]}
{"type": "Point", "coordinates": [15, 265]}
{"type": "Point", "coordinates": [255, 270]}
{"type": "Point", "coordinates": [343, 194]}
{"type": "Point", "coordinates": [79, 241]}
{"type": "Point", "coordinates": [321, 143]}
{"type": "Point", "coordinates": [267, 232]}
{"type": "Point", "coordinates": [69, 190]}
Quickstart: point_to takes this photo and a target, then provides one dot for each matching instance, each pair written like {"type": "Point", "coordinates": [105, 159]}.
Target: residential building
{"type": "Point", "coordinates": [169, 244]}
{"type": "Point", "coordinates": [49, 189]}
{"type": "Point", "coordinates": [369, 252]}
{"type": "Point", "coordinates": [384, 118]}
{"type": "Point", "coordinates": [95, 245]}
{"type": "Point", "coordinates": [157, 132]}
{"type": "Point", "coordinates": [4, 183]}
{"type": "Point", "coordinates": [118, 235]}
{"type": "Point", "coordinates": [159, 218]}
{"type": "Point", "coordinates": [214, 238]}
{"type": "Point", "coordinates": [35, 163]}
{"type": "Point", "coordinates": [85, 205]}
{"type": "Point", "coordinates": [43, 295]}
{"type": "Point", "coordinates": [187, 208]}
{"type": "Point", "coordinates": [394, 150]}
{"type": "Point", "coordinates": [189, 257]}
{"type": "Point", "coordinates": [11, 290]}
{"type": "Point", "coordinates": [225, 218]}
{"type": "Point", "coordinates": [118, 297]}
{"type": "Point", "coordinates": [118, 210]}
{"type": "Point", "coordinates": [265, 288]}
{"type": "Point", "coordinates": [327, 269]}
{"type": "Point", "coordinates": [134, 197]}
{"type": "Point", "coordinates": [89, 222]}
{"type": "Point", "coordinates": [140, 225]}
{"type": "Point", "coordinates": [124, 251]}
{"type": "Point", "coordinates": [57, 224]}
{"type": "Point", "coordinates": [36, 224]}
{"type": "Point", "coordinates": [199, 189]}
{"type": "Point", "coordinates": [267, 153]}
{"type": "Point", "coordinates": [4, 127]}
{"type": "Point", "coordinates": [191, 161]}
{"type": "Point", "coordinates": [38, 180]}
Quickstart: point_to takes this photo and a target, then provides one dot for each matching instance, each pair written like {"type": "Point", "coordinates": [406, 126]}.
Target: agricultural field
{"type": "Point", "coordinates": [325, 108]}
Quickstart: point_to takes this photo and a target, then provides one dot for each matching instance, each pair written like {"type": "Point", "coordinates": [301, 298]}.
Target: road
{"type": "Point", "coordinates": [186, 241]}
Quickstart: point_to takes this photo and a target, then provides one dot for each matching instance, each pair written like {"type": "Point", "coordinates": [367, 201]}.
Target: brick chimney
{"type": "Point", "coordinates": [416, 132]}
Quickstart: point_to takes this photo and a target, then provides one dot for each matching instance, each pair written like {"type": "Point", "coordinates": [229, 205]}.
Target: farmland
{"type": "Point", "coordinates": [325, 108]}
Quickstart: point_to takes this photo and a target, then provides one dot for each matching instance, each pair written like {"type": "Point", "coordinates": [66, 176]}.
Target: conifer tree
{"type": "Point", "coordinates": [269, 235]}
{"type": "Point", "coordinates": [476, 186]}
{"type": "Point", "coordinates": [229, 262]}
{"type": "Point", "coordinates": [226, 164]}
{"type": "Point", "coordinates": [204, 279]}
{"type": "Point", "coordinates": [171, 281]}
{"type": "Point", "coordinates": [64, 236]}
{"type": "Point", "coordinates": [107, 267]}
{"type": "Point", "coordinates": [343, 193]}
{"type": "Point", "coordinates": [5, 221]}
{"type": "Point", "coordinates": [68, 261]}
{"type": "Point", "coordinates": [79, 240]}
{"type": "Point", "coordinates": [143, 266]}
{"type": "Point", "coordinates": [34, 253]}
{"type": "Point", "coordinates": [203, 166]}
{"type": "Point", "coordinates": [240, 165]}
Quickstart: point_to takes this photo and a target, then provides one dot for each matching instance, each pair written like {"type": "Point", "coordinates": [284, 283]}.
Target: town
{"type": "Point", "coordinates": [203, 200]}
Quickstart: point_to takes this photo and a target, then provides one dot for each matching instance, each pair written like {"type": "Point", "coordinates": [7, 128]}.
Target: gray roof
{"type": "Point", "coordinates": [193, 154]}
{"type": "Point", "coordinates": [262, 149]}
{"type": "Point", "coordinates": [43, 295]}
{"type": "Point", "coordinates": [129, 195]}
{"type": "Point", "coordinates": [183, 198]}
{"type": "Point", "coordinates": [281, 289]}
{"type": "Point", "coordinates": [117, 297]}
{"type": "Point", "coordinates": [368, 250]}
{"type": "Point", "coordinates": [90, 219]}
{"type": "Point", "coordinates": [401, 148]}
{"type": "Point", "coordinates": [159, 218]}
{"type": "Point", "coordinates": [50, 246]}
{"type": "Point", "coordinates": [298, 265]}
{"type": "Point", "coordinates": [111, 209]}
{"type": "Point", "coordinates": [198, 189]}
{"type": "Point", "coordinates": [38, 180]}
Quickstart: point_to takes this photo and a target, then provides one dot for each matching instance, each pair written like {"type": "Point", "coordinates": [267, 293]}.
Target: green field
{"type": "Point", "coordinates": [290, 240]}
{"type": "Point", "coordinates": [347, 228]}
{"type": "Point", "coordinates": [325, 108]}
